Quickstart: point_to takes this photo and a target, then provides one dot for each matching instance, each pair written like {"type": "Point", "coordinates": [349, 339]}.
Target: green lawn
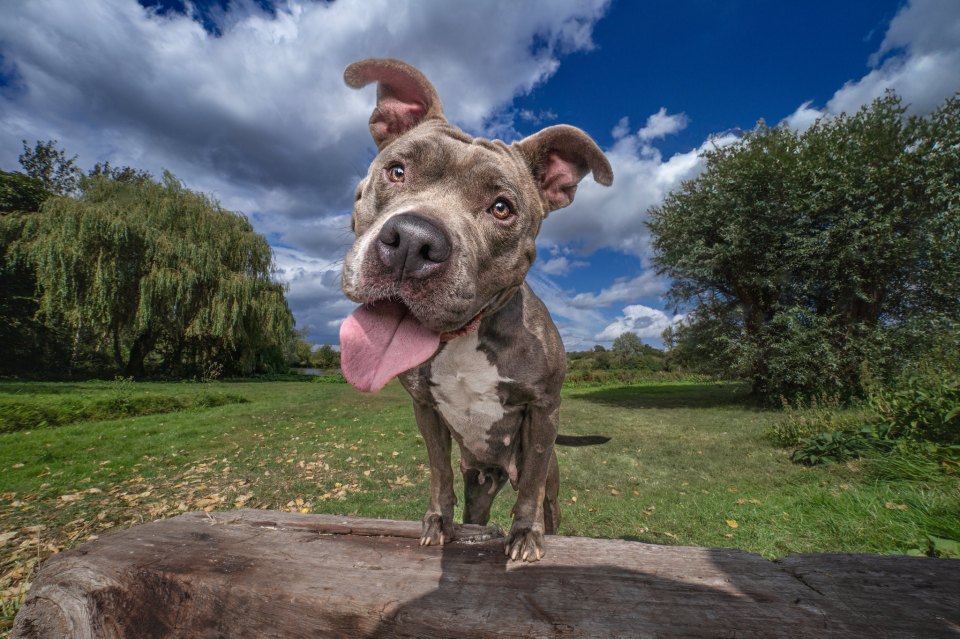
{"type": "Point", "coordinates": [688, 464]}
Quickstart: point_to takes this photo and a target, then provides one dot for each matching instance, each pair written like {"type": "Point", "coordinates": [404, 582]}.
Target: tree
{"type": "Point", "coordinates": [20, 192]}
{"type": "Point", "coordinates": [50, 167]}
{"type": "Point", "coordinates": [800, 253]}
{"type": "Point", "coordinates": [627, 344]}
{"type": "Point", "coordinates": [326, 357]}
{"type": "Point", "coordinates": [145, 269]}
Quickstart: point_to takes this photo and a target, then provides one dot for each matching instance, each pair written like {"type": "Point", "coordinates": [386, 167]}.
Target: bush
{"type": "Point", "coordinates": [821, 414]}
{"type": "Point", "coordinates": [827, 448]}
{"type": "Point", "coordinates": [923, 403]}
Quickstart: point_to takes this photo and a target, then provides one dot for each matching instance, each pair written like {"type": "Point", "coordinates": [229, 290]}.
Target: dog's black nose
{"type": "Point", "coordinates": [412, 246]}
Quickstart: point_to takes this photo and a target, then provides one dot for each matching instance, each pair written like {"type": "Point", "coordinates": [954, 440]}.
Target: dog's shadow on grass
{"type": "Point", "coordinates": [707, 395]}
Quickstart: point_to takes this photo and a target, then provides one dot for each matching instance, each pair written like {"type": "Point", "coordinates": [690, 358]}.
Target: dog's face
{"type": "Point", "coordinates": [445, 223]}
{"type": "Point", "coordinates": [481, 201]}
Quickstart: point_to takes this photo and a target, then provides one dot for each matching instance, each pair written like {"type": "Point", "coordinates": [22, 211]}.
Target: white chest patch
{"type": "Point", "coordinates": [465, 389]}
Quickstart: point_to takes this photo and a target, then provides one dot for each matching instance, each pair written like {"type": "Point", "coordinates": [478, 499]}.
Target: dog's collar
{"type": "Point", "coordinates": [469, 327]}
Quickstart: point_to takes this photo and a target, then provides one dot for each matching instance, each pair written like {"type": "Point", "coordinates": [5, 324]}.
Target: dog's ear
{"type": "Point", "coordinates": [559, 157]}
{"type": "Point", "coordinates": [405, 97]}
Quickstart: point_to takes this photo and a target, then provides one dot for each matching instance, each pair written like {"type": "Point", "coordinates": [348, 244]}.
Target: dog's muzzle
{"type": "Point", "coordinates": [412, 247]}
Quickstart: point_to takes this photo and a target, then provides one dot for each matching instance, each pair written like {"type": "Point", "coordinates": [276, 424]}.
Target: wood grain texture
{"type": "Point", "coordinates": [269, 574]}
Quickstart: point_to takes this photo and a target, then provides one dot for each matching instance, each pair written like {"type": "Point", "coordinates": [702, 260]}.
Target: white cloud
{"type": "Point", "coordinates": [661, 124]}
{"type": "Point", "coordinates": [919, 58]}
{"type": "Point", "coordinates": [623, 289]}
{"type": "Point", "coordinates": [804, 117]}
{"type": "Point", "coordinates": [560, 265]}
{"type": "Point", "coordinates": [646, 322]}
{"type": "Point", "coordinates": [259, 116]}
{"type": "Point", "coordinates": [614, 216]}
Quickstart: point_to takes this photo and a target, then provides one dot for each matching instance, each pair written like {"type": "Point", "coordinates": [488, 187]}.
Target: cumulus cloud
{"type": "Point", "coordinates": [623, 289]}
{"type": "Point", "coordinates": [614, 216]}
{"type": "Point", "coordinates": [919, 58]}
{"type": "Point", "coordinates": [661, 124]}
{"type": "Point", "coordinates": [257, 113]}
{"type": "Point", "coordinates": [646, 322]}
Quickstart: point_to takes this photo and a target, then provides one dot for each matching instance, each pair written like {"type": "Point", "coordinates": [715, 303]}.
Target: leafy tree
{"type": "Point", "coordinates": [118, 174]}
{"type": "Point", "coordinates": [151, 271]}
{"type": "Point", "coordinates": [50, 166]}
{"type": "Point", "coordinates": [627, 344]}
{"type": "Point", "coordinates": [20, 192]}
{"type": "Point", "coordinates": [25, 342]}
{"type": "Point", "coordinates": [298, 350]}
{"type": "Point", "coordinates": [326, 357]}
{"type": "Point", "coordinates": [803, 254]}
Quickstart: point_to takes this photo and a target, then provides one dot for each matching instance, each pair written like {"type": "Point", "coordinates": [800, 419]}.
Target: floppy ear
{"type": "Point", "coordinates": [559, 157]}
{"type": "Point", "coordinates": [405, 97]}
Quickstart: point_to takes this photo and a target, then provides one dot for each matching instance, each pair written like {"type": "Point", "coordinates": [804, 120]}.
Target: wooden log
{"type": "Point", "coordinates": [259, 574]}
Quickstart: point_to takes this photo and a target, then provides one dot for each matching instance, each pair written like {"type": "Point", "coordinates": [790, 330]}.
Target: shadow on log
{"type": "Point", "coordinates": [255, 573]}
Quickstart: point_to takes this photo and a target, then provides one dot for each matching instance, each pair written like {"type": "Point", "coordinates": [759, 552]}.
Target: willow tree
{"type": "Point", "coordinates": [151, 269]}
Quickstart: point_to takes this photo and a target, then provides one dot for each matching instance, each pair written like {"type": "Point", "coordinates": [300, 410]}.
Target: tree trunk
{"type": "Point", "coordinates": [139, 350]}
{"type": "Point", "coordinates": [269, 574]}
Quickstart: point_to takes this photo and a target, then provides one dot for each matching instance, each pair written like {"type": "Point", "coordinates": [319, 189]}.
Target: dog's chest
{"type": "Point", "coordinates": [464, 385]}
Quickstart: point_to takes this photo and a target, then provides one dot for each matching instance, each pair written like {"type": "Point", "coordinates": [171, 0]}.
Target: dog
{"type": "Point", "coordinates": [445, 227]}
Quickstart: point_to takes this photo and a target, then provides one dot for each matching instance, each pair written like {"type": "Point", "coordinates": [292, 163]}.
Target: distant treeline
{"type": "Point", "coordinates": [627, 353]}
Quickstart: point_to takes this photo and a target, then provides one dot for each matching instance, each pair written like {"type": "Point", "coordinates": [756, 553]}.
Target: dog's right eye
{"type": "Point", "coordinates": [396, 173]}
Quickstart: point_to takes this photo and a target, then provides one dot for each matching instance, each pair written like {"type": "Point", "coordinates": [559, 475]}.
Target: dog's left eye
{"type": "Point", "coordinates": [501, 210]}
{"type": "Point", "coordinates": [396, 173]}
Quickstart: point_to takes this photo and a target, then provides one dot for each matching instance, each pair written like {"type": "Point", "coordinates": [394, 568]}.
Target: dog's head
{"type": "Point", "coordinates": [445, 223]}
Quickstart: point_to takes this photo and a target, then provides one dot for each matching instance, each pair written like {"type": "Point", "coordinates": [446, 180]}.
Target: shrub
{"type": "Point", "coordinates": [821, 414]}
{"type": "Point", "coordinates": [923, 402]}
{"type": "Point", "coordinates": [826, 448]}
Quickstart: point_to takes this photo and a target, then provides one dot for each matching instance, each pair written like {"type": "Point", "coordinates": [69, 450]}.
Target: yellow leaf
{"type": "Point", "coordinates": [733, 523]}
{"type": "Point", "coordinates": [614, 492]}
{"type": "Point", "coordinates": [574, 499]}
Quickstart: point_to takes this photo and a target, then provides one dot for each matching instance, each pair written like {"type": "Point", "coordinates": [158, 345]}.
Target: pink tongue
{"type": "Point", "coordinates": [379, 341]}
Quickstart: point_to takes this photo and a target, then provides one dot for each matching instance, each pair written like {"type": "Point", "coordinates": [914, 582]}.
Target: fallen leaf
{"type": "Point", "coordinates": [7, 536]}
{"type": "Point", "coordinates": [614, 492]}
{"type": "Point", "coordinates": [574, 499]}
{"type": "Point", "coordinates": [73, 497]}
{"type": "Point", "coordinates": [733, 523]}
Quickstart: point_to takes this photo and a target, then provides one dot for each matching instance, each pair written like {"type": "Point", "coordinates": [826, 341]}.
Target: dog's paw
{"type": "Point", "coordinates": [436, 531]}
{"type": "Point", "coordinates": [525, 543]}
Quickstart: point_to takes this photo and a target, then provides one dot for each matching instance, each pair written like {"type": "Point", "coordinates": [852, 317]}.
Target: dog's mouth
{"type": "Point", "coordinates": [382, 339]}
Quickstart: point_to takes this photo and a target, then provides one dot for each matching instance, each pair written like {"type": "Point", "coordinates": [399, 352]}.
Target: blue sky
{"type": "Point", "coordinates": [244, 99]}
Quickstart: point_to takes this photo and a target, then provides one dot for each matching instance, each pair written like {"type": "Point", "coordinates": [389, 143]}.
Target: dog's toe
{"type": "Point", "coordinates": [436, 532]}
{"type": "Point", "coordinates": [525, 544]}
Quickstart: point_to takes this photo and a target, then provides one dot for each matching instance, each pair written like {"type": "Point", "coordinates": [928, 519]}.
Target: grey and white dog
{"type": "Point", "coordinates": [445, 228]}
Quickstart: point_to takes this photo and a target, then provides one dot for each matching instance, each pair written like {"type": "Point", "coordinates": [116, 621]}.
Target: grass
{"type": "Point", "coordinates": [689, 463]}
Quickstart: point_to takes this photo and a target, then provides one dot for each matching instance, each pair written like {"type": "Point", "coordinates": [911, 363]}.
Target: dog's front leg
{"type": "Point", "coordinates": [539, 432]}
{"type": "Point", "coordinates": [438, 520]}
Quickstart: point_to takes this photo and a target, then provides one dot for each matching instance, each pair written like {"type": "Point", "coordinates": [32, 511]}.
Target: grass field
{"type": "Point", "coordinates": [689, 463]}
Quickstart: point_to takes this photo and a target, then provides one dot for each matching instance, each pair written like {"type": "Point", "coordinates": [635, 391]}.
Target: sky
{"type": "Point", "coordinates": [244, 99]}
